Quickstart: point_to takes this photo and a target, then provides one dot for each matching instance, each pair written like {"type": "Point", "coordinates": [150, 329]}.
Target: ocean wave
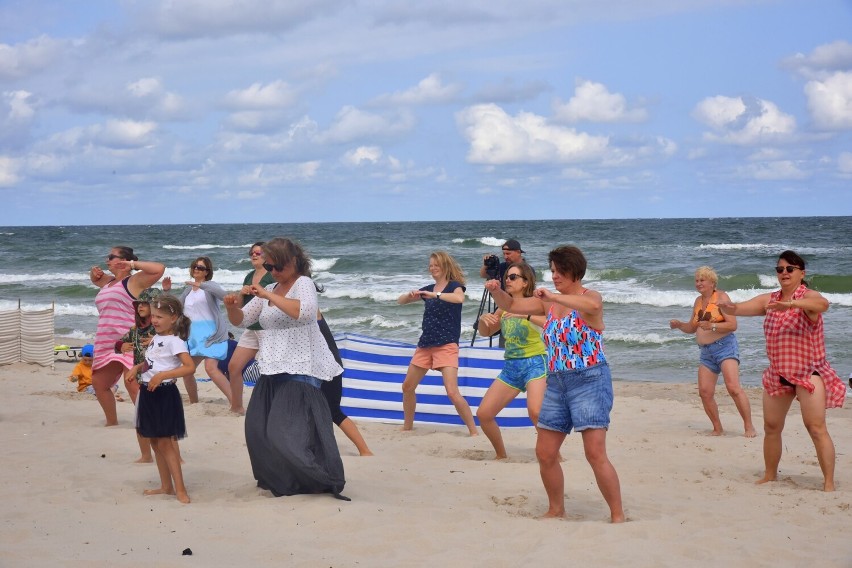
{"type": "Point", "coordinates": [206, 246]}
{"type": "Point", "coordinates": [372, 321]}
{"type": "Point", "coordinates": [87, 309]}
{"type": "Point", "coordinates": [75, 334]}
{"type": "Point", "coordinates": [323, 264]}
{"type": "Point", "coordinates": [773, 249]}
{"type": "Point", "coordinates": [39, 279]}
{"type": "Point", "coordinates": [644, 338]}
{"type": "Point", "coordinates": [487, 241]}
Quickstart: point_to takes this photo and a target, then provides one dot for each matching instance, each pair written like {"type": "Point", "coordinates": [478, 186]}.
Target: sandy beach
{"type": "Point", "coordinates": [71, 495]}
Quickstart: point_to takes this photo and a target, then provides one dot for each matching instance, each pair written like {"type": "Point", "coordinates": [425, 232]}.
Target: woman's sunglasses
{"type": "Point", "coordinates": [270, 267]}
{"type": "Point", "coordinates": [114, 256]}
{"type": "Point", "coordinates": [514, 277]}
{"type": "Point", "coordinates": [200, 267]}
{"type": "Point", "coordinates": [788, 268]}
{"type": "Point", "coordinates": [253, 254]}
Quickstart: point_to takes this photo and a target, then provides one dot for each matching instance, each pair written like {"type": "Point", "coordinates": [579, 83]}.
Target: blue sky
{"type": "Point", "coordinates": [173, 111]}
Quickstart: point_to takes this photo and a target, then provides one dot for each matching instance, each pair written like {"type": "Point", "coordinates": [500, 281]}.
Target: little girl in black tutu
{"type": "Point", "coordinates": [159, 414]}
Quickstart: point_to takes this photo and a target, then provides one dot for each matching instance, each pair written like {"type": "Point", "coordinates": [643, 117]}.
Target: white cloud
{"type": "Point", "coordinates": [142, 99]}
{"type": "Point", "coordinates": [773, 171]}
{"type": "Point", "coordinates": [217, 18]}
{"type": "Point", "coordinates": [593, 102]}
{"type": "Point", "coordinates": [9, 171]}
{"type": "Point", "coordinates": [265, 175]}
{"type": "Point", "coordinates": [20, 105]}
{"type": "Point", "coordinates": [844, 162]}
{"type": "Point", "coordinates": [354, 124]}
{"type": "Point", "coordinates": [362, 154]}
{"type": "Point", "coordinates": [823, 60]}
{"type": "Point", "coordinates": [498, 138]}
{"type": "Point", "coordinates": [744, 122]}
{"type": "Point", "coordinates": [24, 59]}
{"type": "Point", "coordinates": [125, 133]}
{"type": "Point", "coordinates": [830, 101]}
{"type": "Point", "coordinates": [275, 95]}
{"type": "Point", "coordinates": [428, 91]}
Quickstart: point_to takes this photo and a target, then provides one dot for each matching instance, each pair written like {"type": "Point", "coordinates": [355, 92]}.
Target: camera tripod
{"type": "Point", "coordinates": [486, 303]}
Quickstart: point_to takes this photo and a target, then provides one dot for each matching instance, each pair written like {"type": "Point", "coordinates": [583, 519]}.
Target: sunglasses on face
{"type": "Point", "coordinates": [113, 257]}
{"type": "Point", "coordinates": [253, 254]}
{"type": "Point", "coordinates": [788, 268]}
{"type": "Point", "coordinates": [514, 277]}
{"type": "Point", "coordinates": [200, 268]}
{"type": "Point", "coordinates": [270, 267]}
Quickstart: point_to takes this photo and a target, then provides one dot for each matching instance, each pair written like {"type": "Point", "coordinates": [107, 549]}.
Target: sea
{"type": "Point", "coordinates": [642, 267]}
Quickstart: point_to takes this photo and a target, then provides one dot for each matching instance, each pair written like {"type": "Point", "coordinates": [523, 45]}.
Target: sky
{"type": "Point", "coordinates": [232, 111]}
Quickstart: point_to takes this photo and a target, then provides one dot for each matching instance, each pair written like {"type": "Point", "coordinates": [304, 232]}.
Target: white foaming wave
{"type": "Point", "coordinates": [77, 334]}
{"type": "Point", "coordinates": [768, 281]}
{"type": "Point", "coordinates": [206, 246]}
{"type": "Point", "coordinates": [630, 292]}
{"type": "Point", "coordinates": [642, 338]}
{"type": "Point", "coordinates": [7, 234]}
{"type": "Point", "coordinates": [40, 279]}
{"type": "Point", "coordinates": [358, 293]}
{"type": "Point", "coordinates": [487, 241]}
{"type": "Point", "coordinates": [87, 309]}
{"type": "Point", "coordinates": [774, 249]}
{"type": "Point", "coordinates": [371, 321]}
{"type": "Point", "coordinates": [323, 264]}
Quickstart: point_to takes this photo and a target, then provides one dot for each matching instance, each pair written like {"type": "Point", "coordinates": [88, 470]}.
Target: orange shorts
{"type": "Point", "coordinates": [436, 357]}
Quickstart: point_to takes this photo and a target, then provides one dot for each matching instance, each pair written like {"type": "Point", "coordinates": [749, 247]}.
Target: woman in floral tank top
{"type": "Point", "coordinates": [798, 369]}
{"type": "Point", "coordinates": [579, 394]}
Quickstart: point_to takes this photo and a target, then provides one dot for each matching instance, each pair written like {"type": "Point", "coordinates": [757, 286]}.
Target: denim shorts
{"type": "Point", "coordinates": [714, 353]}
{"type": "Point", "coordinates": [579, 399]}
{"type": "Point", "coordinates": [517, 373]}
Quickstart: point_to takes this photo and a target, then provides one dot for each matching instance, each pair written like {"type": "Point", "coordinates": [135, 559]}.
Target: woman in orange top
{"type": "Point", "coordinates": [714, 333]}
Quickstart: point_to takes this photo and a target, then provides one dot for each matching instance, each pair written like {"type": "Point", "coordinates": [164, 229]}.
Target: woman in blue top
{"type": "Point", "coordinates": [438, 347]}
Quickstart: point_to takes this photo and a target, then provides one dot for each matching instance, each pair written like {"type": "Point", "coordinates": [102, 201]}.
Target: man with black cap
{"type": "Point", "coordinates": [512, 252]}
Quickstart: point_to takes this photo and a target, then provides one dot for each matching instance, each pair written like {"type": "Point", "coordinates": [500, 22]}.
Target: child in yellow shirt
{"type": "Point", "coordinates": [82, 373]}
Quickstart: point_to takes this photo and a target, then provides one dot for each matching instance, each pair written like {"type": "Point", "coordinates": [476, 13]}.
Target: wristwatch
{"type": "Point", "coordinates": [713, 327]}
{"type": "Point", "coordinates": [438, 296]}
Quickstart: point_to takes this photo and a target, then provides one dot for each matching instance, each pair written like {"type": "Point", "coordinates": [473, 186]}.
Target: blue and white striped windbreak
{"type": "Point", "coordinates": [375, 368]}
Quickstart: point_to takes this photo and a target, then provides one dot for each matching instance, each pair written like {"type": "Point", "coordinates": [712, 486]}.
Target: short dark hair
{"type": "Point", "coordinates": [792, 258]}
{"type": "Point", "coordinates": [568, 260]}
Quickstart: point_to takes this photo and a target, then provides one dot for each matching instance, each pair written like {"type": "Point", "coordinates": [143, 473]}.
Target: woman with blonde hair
{"type": "Point", "coordinates": [714, 332]}
{"type": "Point", "coordinates": [438, 347]}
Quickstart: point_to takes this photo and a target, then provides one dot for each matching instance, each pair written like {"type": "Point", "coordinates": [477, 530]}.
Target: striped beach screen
{"type": "Point", "coordinates": [375, 368]}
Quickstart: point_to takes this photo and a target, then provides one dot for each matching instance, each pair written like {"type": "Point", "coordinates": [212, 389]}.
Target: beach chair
{"type": "Point", "coordinates": [70, 352]}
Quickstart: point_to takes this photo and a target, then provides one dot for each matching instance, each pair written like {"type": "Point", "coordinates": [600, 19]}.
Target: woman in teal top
{"type": "Point", "coordinates": [247, 347]}
{"type": "Point", "coordinates": [525, 365]}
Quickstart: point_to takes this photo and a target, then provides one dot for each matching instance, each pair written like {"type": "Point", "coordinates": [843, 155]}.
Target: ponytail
{"type": "Point", "coordinates": [182, 326]}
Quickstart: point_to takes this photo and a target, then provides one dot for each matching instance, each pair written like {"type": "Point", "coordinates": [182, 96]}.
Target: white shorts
{"type": "Point", "coordinates": [249, 340]}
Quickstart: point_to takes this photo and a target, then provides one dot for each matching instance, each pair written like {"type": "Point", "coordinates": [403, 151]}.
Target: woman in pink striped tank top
{"type": "Point", "coordinates": [116, 315]}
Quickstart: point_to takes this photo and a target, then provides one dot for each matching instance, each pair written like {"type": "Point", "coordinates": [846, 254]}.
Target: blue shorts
{"type": "Point", "coordinates": [517, 373]}
{"type": "Point", "coordinates": [714, 353]}
{"type": "Point", "coordinates": [580, 399]}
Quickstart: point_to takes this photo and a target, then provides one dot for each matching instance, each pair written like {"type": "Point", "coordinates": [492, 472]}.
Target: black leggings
{"type": "Point", "coordinates": [332, 390]}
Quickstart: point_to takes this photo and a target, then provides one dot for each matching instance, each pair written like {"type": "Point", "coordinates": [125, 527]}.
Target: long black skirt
{"type": "Point", "coordinates": [290, 439]}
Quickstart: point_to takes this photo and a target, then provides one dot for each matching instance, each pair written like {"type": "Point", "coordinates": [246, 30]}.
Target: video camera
{"type": "Point", "coordinates": [492, 266]}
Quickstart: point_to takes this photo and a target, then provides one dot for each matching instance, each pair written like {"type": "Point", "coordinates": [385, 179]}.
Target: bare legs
{"type": "Point", "coordinates": [813, 415]}
{"type": "Point", "coordinates": [168, 466]}
{"type": "Point", "coordinates": [450, 376]}
{"type": "Point", "coordinates": [144, 443]}
{"type": "Point", "coordinates": [594, 444]}
{"type": "Point", "coordinates": [351, 430]}
{"type": "Point", "coordinates": [240, 358]}
{"type": "Point", "coordinates": [102, 381]}
{"type": "Point", "coordinates": [707, 391]}
{"type": "Point", "coordinates": [731, 374]}
{"type": "Point", "coordinates": [496, 398]}
{"type": "Point", "coordinates": [219, 379]}
{"type": "Point", "coordinates": [190, 384]}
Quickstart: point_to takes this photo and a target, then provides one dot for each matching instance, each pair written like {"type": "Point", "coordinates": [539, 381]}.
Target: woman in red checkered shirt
{"type": "Point", "coordinates": [798, 369]}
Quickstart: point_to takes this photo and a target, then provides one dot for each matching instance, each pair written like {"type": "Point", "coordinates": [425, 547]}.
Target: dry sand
{"type": "Point", "coordinates": [72, 497]}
